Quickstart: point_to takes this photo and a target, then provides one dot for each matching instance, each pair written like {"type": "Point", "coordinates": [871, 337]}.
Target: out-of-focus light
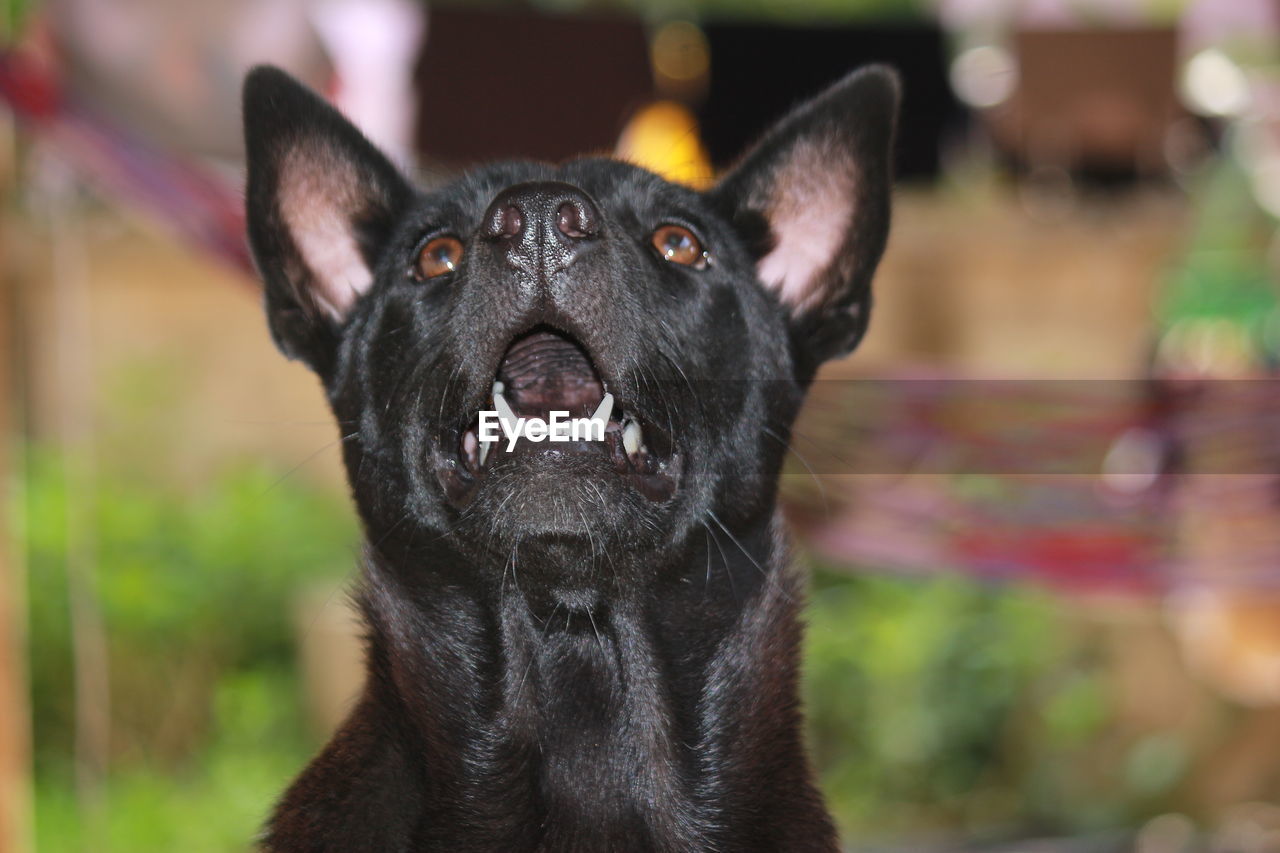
{"type": "Point", "coordinates": [1266, 182]}
{"type": "Point", "coordinates": [1165, 833]}
{"type": "Point", "coordinates": [1132, 465]}
{"type": "Point", "coordinates": [985, 76]}
{"type": "Point", "coordinates": [1227, 641]}
{"type": "Point", "coordinates": [1207, 347]}
{"type": "Point", "coordinates": [680, 51]}
{"type": "Point", "coordinates": [1213, 85]}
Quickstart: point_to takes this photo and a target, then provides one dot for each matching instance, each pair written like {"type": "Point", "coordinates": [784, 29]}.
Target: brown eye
{"type": "Point", "coordinates": [678, 245]}
{"type": "Point", "coordinates": [438, 257]}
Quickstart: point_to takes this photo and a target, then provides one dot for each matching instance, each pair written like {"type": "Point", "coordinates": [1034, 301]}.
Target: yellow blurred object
{"type": "Point", "coordinates": [663, 137]}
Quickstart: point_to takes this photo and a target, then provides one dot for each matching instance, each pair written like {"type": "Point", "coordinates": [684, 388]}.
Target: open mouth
{"type": "Point", "coordinates": [546, 377]}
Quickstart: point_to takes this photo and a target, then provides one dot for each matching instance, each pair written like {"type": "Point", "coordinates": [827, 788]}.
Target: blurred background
{"type": "Point", "coordinates": [1041, 504]}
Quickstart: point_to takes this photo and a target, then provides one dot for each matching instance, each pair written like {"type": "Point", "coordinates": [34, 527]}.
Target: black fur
{"type": "Point", "coordinates": [563, 657]}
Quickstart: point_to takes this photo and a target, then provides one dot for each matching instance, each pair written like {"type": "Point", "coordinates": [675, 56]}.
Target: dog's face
{"type": "Point", "coordinates": [536, 288]}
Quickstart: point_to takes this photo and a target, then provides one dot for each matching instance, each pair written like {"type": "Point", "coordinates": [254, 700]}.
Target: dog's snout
{"type": "Point", "coordinates": [543, 224]}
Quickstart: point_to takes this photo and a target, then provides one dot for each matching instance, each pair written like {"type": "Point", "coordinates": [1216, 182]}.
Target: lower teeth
{"type": "Point", "coordinates": [469, 446]}
{"type": "Point", "coordinates": [632, 438]}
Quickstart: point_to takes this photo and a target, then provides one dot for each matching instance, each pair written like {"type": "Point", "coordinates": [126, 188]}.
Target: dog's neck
{"type": "Point", "coordinates": [667, 721]}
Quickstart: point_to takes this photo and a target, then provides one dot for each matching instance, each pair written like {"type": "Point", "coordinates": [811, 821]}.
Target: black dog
{"type": "Point", "coordinates": [586, 645]}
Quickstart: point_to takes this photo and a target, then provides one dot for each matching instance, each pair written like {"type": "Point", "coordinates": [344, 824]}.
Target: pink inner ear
{"type": "Point", "coordinates": [319, 196]}
{"type": "Point", "coordinates": [810, 213]}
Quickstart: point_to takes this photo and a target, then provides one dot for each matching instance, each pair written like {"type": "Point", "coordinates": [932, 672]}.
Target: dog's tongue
{"type": "Point", "coordinates": [545, 371]}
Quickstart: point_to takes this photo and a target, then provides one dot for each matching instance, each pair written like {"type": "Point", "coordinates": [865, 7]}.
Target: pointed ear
{"type": "Point", "coordinates": [321, 202]}
{"type": "Point", "coordinates": [814, 194]}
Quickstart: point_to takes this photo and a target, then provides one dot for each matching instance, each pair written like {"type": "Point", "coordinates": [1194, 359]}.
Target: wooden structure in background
{"type": "Point", "coordinates": [15, 752]}
{"type": "Point", "coordinates": [1092, 100]}
{"type": "Point", "coordinates": [552, 86]}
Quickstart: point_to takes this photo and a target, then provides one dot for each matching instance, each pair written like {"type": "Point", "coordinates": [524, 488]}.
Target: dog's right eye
{"type": "Point", "coordinates": [677, 244]}
{"type": "Point", "coordinates": [439, 256]}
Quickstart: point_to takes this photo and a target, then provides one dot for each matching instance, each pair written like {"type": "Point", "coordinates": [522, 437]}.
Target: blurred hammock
{"type": "Point", "coordinates": [1141, 485]}
{"type": "Point", "coordinates": [199, 205]}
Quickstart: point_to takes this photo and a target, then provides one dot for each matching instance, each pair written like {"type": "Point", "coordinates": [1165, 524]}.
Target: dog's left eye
{"type": "Point", "coordinates": [678, 244]}
{"type": "Point", "coordinates": [437, 257]}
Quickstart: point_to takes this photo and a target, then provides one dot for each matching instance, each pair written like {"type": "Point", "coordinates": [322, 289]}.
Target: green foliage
{"type": "Point", "coordinates": [213, 806]}
{"type": "Point", "coordinates": [939, 706]}
{"type": "Point", "coordinates": [14, 14]}
{"type": "Point", "coordinates": [1225, 272]}
{"type": "Point", "coordinates": [196, 593]}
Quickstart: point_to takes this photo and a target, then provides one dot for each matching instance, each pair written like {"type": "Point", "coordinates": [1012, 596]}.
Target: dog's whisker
{"type": "Point", "coordinates": [823, 448]}
{"type": "Point", "coordinates": [309, 457]}
{"type": "Point", "coordinates": [599, 640]}
{"type": "Point", "coordinates": [724, 560]}
{"type": "Point", "coordinates": [444, 394]}
{"type": "Point", "coordinates": [675, 364]}
{"type": "Point", "coordinates": [770, 578]}
{"type": "Point", "coordinates": [387, 533]}
{"type": "Point", "coordinates": [706, 581]}
{"type": "Point", "coordinates": [817, 481]}
{"type": "Point", "coordinates": [666, 406]}
{"type": "Point", "coordinates": [410, 378]}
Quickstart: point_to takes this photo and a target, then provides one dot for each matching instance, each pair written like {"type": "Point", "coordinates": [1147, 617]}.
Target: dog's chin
{"type": "Point", "coordinates": [565, 521]}
{"type": "Point", "coordinates": [548, 490]}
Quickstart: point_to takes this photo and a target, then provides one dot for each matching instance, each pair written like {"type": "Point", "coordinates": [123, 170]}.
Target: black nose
{"type": "Point", "coordinates": [542, 226]}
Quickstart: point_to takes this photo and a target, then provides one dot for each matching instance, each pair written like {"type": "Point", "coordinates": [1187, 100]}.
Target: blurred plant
{"type": "Point", "coordinates": [196, 592]}
{"type": "Point", "coordinates": [940, 707]}
{"type": "Point", "coordinates": [1219, 311]}
{"type": "Point", "coordinates": [14, 15]}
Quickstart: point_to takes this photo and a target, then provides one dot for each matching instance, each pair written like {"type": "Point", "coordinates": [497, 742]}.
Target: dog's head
{"type": "Point", "coordinates": [533, 288]}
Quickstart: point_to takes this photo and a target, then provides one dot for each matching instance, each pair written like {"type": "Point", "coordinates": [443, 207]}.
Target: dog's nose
{"type": "Point", "coordinates": [542, 226]}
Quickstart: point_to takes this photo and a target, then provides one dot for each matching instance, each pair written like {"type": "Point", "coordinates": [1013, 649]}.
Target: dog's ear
{"type": "Point", "coordinates": [813, 196]}
{"type": "Point", "coordinates": [321, 202]}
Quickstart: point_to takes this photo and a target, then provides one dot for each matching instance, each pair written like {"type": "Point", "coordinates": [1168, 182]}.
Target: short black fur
{"type": "Point", "coordinates": [577, 648]}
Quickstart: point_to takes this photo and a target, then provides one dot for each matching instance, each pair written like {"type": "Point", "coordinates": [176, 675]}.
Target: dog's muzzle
{"type": "Point", "coordinates": [546, 376]}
